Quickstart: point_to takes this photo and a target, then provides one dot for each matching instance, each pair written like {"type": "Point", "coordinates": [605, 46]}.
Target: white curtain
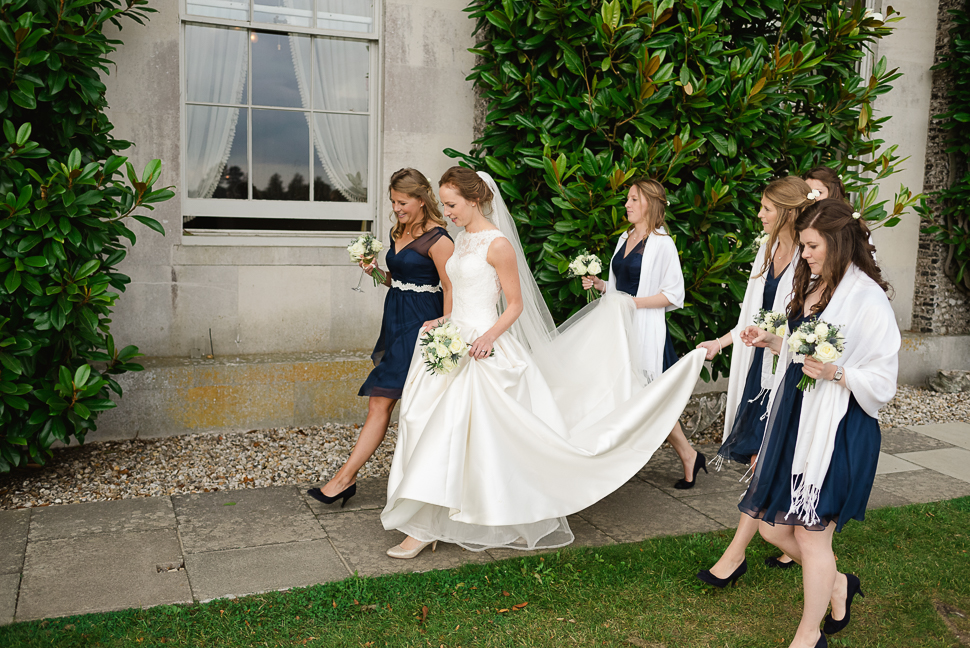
{"type": "Point", "coordinates": [340, 82]}
{"type": "Point", "coordinates": [216, 74]}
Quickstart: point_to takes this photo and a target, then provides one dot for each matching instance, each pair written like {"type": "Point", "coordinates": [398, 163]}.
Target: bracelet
{"type": "Point", "coordinates": [719, 347]}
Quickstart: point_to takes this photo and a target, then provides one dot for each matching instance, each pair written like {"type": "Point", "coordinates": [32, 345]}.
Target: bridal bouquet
{"type": "Point", "coordinates": [442, 348]}
{"type": "Point", "coordinates": [819, 339]}
{"type": "Point", "coordinates": [366, 248]}
{"type": "Point", "coordinates": [585, 264]}
{"type": "Point", "coordinates": [772, 322]}
{"type": "Point", "coordinates": [760, 240]}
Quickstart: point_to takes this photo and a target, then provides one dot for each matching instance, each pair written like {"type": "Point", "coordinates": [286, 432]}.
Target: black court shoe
{"type": "Point", "coordinates": [774, 563]}
{"type": "Point", "coordinates": [711, 579]}
{"type": "Point", "coordinates": [700, 461]}
{"type": "Point", "coordinates": [854, 587]}
{"type": "Point", "coordinates": [344, 495]}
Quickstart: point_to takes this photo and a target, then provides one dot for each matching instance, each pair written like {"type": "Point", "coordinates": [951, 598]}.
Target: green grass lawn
{"type": "Point", "coordinates": [914, 563]}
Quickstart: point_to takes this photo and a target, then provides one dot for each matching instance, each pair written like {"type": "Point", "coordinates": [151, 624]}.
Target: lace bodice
{"type": "Point", "coordinates": [475, 284]}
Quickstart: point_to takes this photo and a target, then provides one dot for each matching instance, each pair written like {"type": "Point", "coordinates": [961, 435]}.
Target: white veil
{"type": "Point", "coordinates": [535, 327]}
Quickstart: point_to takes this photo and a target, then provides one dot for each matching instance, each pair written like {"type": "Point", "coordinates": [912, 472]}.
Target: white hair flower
{"type": "Point", "coordinates": [668, 203]}
{"type": "Point", "coordinates": [856, 215]}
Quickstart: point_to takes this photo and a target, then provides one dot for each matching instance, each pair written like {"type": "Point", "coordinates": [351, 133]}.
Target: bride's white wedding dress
{"type": "Point", "coordinates": [498, 452]}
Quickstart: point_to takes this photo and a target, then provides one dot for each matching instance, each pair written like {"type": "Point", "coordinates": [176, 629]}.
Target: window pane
{"type": "Point", "coordinates": [276, 58]}
{"type": "Point", "coordinates": [281, 155]}
{"type": "Point", "coordinates": [215, 152]}
{"type": "Point", "coordinates": [340, 163]}
{"type": "Point", "coordinates": [231, 9]}
{"type": "Point", "coordinates": [341, 79]}
{"type": "Point", "coordinates": [283, 12]}
{"type": "Point", "coordinates": [348, 15]}
{"type": "Point", "coordinates": [215, 64]}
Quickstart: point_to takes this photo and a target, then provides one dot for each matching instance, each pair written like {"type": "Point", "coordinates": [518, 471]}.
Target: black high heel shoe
{"type": "Point", "coordinates": [822, 642]}
{"type": "Point", "coordinates": [344, 495]}
{"type": "Point", "coordinates": [774, 563]}
{"type": "Point", "coordinates": [853, 587]}
{"type": "Point", "coordinates": [700, 461]}
{"type": "Point", "coordinates": [711, 579]}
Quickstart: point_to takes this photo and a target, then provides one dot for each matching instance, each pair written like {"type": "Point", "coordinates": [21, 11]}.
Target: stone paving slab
{"type": "Point", "coordinates": [896, 440]}
{"type": "Point", "coordinates": [586, 536]}
{"type": "Point", "coordinates": [957, 434]}
{"type": "Point", "coordinates": [244, 518]}
{"type": "Point", "coordinates": [922, 486]}
{"type": "Point", "coordinates": [720, 507]}
{"type": "Point", "coordinates": [954, 462]}
{"type": "Point", "coordinates": [9, 584]}
{"type": "Point", "coordinates": [101, 573]}
{"type": "Point", "coordinates": [361, 541]}
{"type": "Point", "coordinates": [881, 498]}
{"type": "Point", "coordinates": [637, 511]}
{"type": "Point", "coordinates": [13, 540]}
{"type": "Point", "coordinates": [371, 494]}
{"type": "Point", "coordinates": [892, 464]}
{"type": "Point", "coordinates": [119, 516]}
{"type": "Point", "coordinates": [238, 572]}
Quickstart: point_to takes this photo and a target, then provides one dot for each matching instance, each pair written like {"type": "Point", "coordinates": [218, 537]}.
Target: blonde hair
{"type": "Point", "coordinates": [413, 183]}
{"type": "Point", "coordinates": [652, 192]}
{"type": "Point", "coordinates": [789, 195]}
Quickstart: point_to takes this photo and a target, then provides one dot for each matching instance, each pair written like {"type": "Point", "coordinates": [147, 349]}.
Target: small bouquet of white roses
{"type": "Point", "coordinates": [760, 240]}
{"type": "Point", "coordinates": [585, 264]}
{"type": "Point", "coordinates": [366, 248]}
{"type": "Point", "coordinates": [818, 339]}
{"type": "Point", "coordinates": [772, 322]}
{"type": "Point", "coordinates": [442, 348]}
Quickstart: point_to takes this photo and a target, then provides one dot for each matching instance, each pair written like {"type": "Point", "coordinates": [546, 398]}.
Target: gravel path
{"type": "Point", "coordinates": [282, 456]}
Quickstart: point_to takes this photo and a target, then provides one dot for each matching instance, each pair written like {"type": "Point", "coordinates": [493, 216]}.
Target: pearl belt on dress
{"type": "Point", "coordinates": [400, 285]}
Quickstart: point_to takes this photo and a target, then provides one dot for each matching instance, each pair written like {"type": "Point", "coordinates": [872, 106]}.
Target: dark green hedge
{"type": "Point", "coordinates": [713, 98]}
{"type": "Point", "coordinates": [64, 210]}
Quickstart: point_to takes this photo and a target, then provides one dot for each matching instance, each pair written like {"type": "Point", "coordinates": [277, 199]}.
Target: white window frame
{"type": "Point", "coordinates": [290, 209]}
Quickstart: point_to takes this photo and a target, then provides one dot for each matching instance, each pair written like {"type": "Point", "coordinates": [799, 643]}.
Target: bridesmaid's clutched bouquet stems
{"type": "Point", "coordinates": [818, 339]}
{"type": "Point", "coordinates": [585, 264]}
{"type": "Point", "coordinates": [775, 323]}
{"type": "Point", "coordinates": [365, 248]}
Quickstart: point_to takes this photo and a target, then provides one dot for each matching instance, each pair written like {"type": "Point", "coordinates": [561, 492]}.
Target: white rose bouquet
{"type": "Point", "coordinates": [442, 348]}
{"type": "Point", "coordinates": [760, 240]}
{"type": "Point", "coordinates": [585, 264]}
{"type": "Point", "coordinates": [366, 248]}
{"type": "Point", "coordinates": [818, 339]}
{"type": "Point", "coordinates": [773, 322]}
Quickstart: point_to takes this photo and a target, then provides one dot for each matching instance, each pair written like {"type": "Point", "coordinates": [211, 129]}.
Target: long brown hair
{"type": "Point", "coordinates": [413, 183]}
{"type": "Point", "coordinates": [789, 195]}
{"type": "Point", "coordinates": [846, 241]}
{"type": "Point", "coordinates": [469, 185]}
{"type": "Point", "coordinates": [652, 193]}
{"type": "Point", "coordinates": [828, 177]}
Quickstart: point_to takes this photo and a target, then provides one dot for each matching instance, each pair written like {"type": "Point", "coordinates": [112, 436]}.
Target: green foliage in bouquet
{"type": "Point", "coordinates": [714, 98]}
{"type": "Point", "coordinates": [64, 210]}
{"type": "Point", "coordinates": [952, 225]}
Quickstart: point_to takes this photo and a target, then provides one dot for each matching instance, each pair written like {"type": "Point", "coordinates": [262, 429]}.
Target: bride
{"type": "Point", "coordinates": [535, 423]}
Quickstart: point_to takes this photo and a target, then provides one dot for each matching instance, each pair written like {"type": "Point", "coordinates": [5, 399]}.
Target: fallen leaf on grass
{"type": "Point", "coordinates": [519, 606]}
{"type": "Point", "coordinates": [424, 614]}
{"type": "Point", "coordinates": [504, 593]}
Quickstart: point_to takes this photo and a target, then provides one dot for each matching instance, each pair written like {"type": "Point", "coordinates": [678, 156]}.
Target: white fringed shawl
{"type": "Point", "coordinates": [659, 272]}
{"type": "Point", "coordinates": [742, 355]}
{"type": "Point", "coordinates": [862, 310]}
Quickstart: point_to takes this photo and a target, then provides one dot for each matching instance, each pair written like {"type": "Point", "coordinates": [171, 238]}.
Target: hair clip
{"type": "Point", "coordinates": [856, 215]}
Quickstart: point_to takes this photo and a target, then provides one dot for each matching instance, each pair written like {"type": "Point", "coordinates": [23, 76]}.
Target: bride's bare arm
{"type": "Point", "coordinates": [501, 256]}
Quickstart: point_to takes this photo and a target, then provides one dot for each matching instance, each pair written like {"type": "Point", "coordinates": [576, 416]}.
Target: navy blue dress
{"type": "Point", "coordinates": [749, 426]}
{"type": "Point", "coordinates": [404, 313]}
{"type": "Point", "coordinates": [848, 482]}
{"type": "Point", "coordinates": [626, 271]}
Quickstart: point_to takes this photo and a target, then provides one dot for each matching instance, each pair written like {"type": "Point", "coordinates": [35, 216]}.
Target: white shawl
{"type": "Point", "coordinates": [862, 310]}
{"type": "Point", "coordinates": [659, 272]}
{"type": "Point", "coordinates": [743, 355]}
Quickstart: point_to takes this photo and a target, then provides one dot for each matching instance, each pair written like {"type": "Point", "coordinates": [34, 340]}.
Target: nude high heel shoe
{"type": "Point", "coordinates": [407, 554]}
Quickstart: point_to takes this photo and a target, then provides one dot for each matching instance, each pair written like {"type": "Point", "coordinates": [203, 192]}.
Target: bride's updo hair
{"type": "Point", "coordinates": [412, 182]}
{"type": "Point", "coordinates": [469, 186]}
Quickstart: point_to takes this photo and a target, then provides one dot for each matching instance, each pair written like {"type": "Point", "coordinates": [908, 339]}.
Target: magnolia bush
{"type": "Point", "coordinates": [712, 98]}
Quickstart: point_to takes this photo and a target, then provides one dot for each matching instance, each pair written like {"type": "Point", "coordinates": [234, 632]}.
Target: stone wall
{"type": "Point", "coordinates": [938, 307]}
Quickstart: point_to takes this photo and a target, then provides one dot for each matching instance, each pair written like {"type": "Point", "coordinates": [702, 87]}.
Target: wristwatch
{"type": "Point", "coordinates": [839, 372]}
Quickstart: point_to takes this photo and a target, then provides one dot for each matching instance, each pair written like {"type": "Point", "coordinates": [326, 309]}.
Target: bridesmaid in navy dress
{"type": "Point", "coordinates": [646, 265]}
{"type": "Point", "coordinates": [818, 461]}
{"type": "Point", "coordinates": [419, 295]}
{"type": "Point", "coordinates": [769, 288]}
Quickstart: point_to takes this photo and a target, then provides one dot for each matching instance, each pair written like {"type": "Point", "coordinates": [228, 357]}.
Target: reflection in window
{"type": "Point", "coordinates": [281, 155]}
{"type": "Point", "coordinates": [283, 12]}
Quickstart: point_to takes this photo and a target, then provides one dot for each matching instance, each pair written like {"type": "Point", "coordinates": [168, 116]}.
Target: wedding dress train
{"type": "Point", "coordinates": [499, 451]}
